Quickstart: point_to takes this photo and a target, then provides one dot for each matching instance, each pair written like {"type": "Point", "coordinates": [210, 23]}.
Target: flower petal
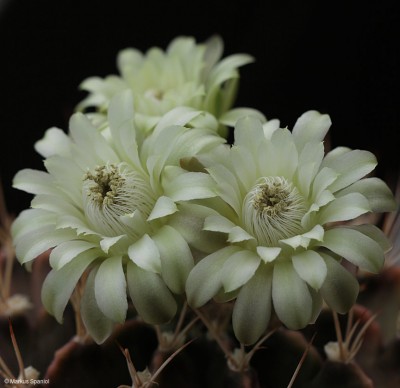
{"type": "Point", "coordinates": [92, 149]}
{"type": "Point", "coordinates": [218, 223]}
{"type": "Point", "coordinates": [351, 166]}
{"type": "Point", "coordinates": [189, 222]}
{"type": "Point", "coordinates": [376, 191]}
{"type": "Point", "coordinates": [144, 253]}
{"type": "Point", "coordinates": [58, 285]}
{"type": "Point", "coordinates": [97, 324]}
{"type": "Point", "coordinates": [375, 234]}
{"type": "Point", "coordinates": [150, 295]}
{"type": "Point", "coordinates": [163, 207]}
{"type": "Point", "coordinates": [311, 126]}
{"type": "Point", "coordinates": [31, 245]}
{"type": "Point", "coordinates": [291, 296]}
{"type": "Point", "coordinates": [176, 258]}
{"type": "Point", "coordinates": [110, 289]}
{"type": "Point", "coordinates": [248, 131]}
{"type": "Point", "coordinates": [190, 185]}
{"type": "Point", "coordinates": [340, 288]}
{"type": "Point", "coordinates": [231, 117]}
{"type": "Point", "coordinates": [355, 247]}
{"type": "Point", "coordinates": [54, 142]}
{"type": "Point", "coordinates": [303, 240]}
{"type": "Point", "coordinates": [286, 156]}
{"type": "Point", "coordinates": [310, 266]}
{"type": "Point", "coordinates": [268, 254]}
{"type": "Point", "coordinates": [238, 234]}
{"type": "Point", "coordinates": [108, 242]}
{"type": "Point", "coordinates": [227, 188]}
{"type": "Point", "coordinates": [34, 182]}
{"type": "Point", "coordinates": [252, 310]}
{"type": "Point", "coordinates": [120, 117]}
{"type": "Point", "coordinates": [344, 208]}
{"type": "Point", "coordinates": [204, 281]}
{"type": "Point", "coordinates": [238, 269]}
{"type": "Point", "coordinates": [67, 251]}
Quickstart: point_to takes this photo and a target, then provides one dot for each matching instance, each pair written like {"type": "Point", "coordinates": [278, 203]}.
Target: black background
{"type": "Point", "coordinates": [340, 59]}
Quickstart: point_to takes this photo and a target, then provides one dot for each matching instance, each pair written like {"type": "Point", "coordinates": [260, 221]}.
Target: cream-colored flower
{"type": "Point", "coordinates": [108, 205]}
{"type": "Point", "coordinates": [185, 74]}
{"type": "Point", "coordinates": [284, 204]}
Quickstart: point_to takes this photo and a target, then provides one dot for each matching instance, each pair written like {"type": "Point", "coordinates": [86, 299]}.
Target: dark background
{"type": "Point", "coordinates": [340, 59]}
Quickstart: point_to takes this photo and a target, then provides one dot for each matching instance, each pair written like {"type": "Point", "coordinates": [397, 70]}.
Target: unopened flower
{"type": "Point", "coordinates": [185, 74]}
{"type": "Point", "coordinates": [106, 205]}
{"type": "Point", "coordinates": [284, 210]}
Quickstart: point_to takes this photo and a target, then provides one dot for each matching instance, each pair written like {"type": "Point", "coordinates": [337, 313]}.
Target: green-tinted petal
{"type": "Point", "coordinates": [286, 157]}
{"type": "Point", "coordinates": [178, 116]}
{"type": "Point", "coordinates": [67, 251]}
{"type": "Point", "coordinates": [190, 185]}
{"type": "Point", "coordinates": [163, 207]}
{"type": "Point", "coordinates": [238, 234]}
{"type": "Point", "coordinates": [120, 116]}
{"type": "Point", "coordinates": [351, 166]}
{"type": "Point", "coordinates": [144, 253]}
{"type": "Point", "coordinates": [91, 147]}
{"type": "Point", "coordinates": [204, 281]}
{"type": "Point", "coordinates": [376, 191]}
{"type": "Point", "coordinates": [303, 240]}
{"type": "Point", "coordinates": [108, 242]}
{"type": "Point", "coordinates": [375, 234]}
{"type": "Point", "coordinates": [344, 208]}
{"type": "Point", "coordinates": [217, 223]}
{"type": "Point", "coordinates": [119, 112]}
{"type": "Point", "coordinates": [310, 266]}
{"type": "Point", "coordinates": [356, 247]}
{"type": "Point", "coordinates": [340, 288]}
{"type": "Point", "coordinates": [291, 296]}
{"type": "Point", "coordinates": [34, 182]}
{"type": "Point", "coordinates": [31, 245]}
{"type": "Point", "coordinates": [110, 289]}
{"type": "Point", "coordinates": [317, 304]}
{"type": "Point", "coordinates": [325, 177]}
{"type": "Point", "coordinates": [227, 186]}
{"type": "Point", "coordinates": [248, 132]}
{"type": "Point", "coordinates": [97, 324]}
{"type": "Point", "coordinates": [176, 258]}
{"type": "Point", "coordinates": [311, 126]}
{"type": "Point", "coordinates": [28, 221]}
{"type": "Point", "coordinates": [238, 269]}
{"type": "Point", "coordinates": [55, 141]}
{"type": "Point", "coordinates": [231, 117]}
{"type": "Point", "coordinates": [68, 173]}
{"type": "Point", "coordinates": [252, 309]}
{"type": "Point", "coordinates": [59, 285]}
{"type": "Point", "coordinates": [243, 164]}
{"type": "Point", "coordinates": [268, 254]}
{"type": "Point", "coordinates": [309, 162]}
{"type": "Point", "coordinates": [150, 296]}
{"type": "Point", "coordinates": [189, 222]}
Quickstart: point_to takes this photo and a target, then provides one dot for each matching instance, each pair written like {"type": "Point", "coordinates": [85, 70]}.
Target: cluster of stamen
{"type": "Point", "coordinates": [112, 191]}
{"type": "Point", "coordinates": [273, 210]}
{"type": "Point", "coordinates": [106, 182]}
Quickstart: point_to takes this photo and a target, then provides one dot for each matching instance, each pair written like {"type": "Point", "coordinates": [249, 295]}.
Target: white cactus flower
{"type": "Point", "coordinates": [107, 205]}
{"type": "Point", "coordinates": [285, 205]}
{"type": "Point", "coordinates": [185, 74]}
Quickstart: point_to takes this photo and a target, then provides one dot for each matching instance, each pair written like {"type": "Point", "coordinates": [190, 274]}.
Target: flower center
{"type": "Point", "coordinates": [112, 191]}
{"type": "Point", "coordinates": [154, 94]}
{"type": "Point", "coordinates": [273, 210]}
